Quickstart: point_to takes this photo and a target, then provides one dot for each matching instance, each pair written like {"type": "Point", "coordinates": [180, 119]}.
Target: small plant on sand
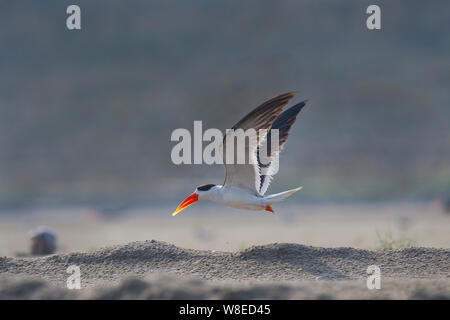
{"type": "Point", "coordinates": [386, 241]}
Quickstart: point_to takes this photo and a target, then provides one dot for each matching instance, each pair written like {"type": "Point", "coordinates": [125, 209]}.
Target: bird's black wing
{"type": "Point", "coordinates": [268, 161]}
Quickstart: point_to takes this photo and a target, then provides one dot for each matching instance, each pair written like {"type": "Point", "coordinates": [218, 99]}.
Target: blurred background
{"type": "Point", "coordinates": [86, 116]}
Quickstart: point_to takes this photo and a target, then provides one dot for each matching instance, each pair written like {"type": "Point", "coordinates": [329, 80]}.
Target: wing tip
{"type": "Point", "coordinates": [285, 96]}
{"type": "Point", "coordinates": [290, 93]}
{"type": "Point", "coordinates": [298, 106]}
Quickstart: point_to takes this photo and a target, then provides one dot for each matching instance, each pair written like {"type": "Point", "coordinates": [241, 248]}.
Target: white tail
{"type": "Point", "coordinates": [274, 198]}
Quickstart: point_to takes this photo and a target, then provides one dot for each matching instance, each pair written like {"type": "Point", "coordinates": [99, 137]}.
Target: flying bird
{"type": "Point", "coordinates": [245, 184]}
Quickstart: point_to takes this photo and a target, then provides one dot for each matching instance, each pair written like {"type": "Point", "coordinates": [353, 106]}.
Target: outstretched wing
{"type": "Point", "coordinates": [247, 175]}
{"type": "Point", "coordinates": [268, 160]}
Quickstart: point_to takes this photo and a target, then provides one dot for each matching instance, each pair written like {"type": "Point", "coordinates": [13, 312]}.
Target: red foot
{"type": "Point", "coordinates": [269, 208]}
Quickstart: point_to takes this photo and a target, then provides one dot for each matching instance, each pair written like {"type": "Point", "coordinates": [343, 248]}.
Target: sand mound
{"type": "Point", "coordinates": [275, 270]}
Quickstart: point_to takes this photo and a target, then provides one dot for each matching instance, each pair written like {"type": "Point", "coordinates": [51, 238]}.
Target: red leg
{"type": "Point", "coordinates": [269, 208]}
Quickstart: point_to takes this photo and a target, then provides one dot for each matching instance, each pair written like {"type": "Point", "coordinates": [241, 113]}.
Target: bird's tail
{"type": "Point", "coordinates": [274, 198]}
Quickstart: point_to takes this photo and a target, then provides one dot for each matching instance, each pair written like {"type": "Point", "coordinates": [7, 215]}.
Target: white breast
{"type": "Point", "coordinates": [241, 198]}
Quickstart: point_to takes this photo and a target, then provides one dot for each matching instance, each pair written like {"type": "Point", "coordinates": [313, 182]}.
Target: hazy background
{"type": "Point", "coordinates": [86, 116]}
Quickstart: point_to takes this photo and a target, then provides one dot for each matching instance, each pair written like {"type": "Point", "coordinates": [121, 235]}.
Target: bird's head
{"type": "Point", "coordinates": [201, 192]}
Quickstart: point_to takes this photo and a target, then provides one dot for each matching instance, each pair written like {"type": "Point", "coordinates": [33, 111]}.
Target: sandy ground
{"type": "Point", "coordinates": [276, 271]}
{"type": "Point", "coordinates": [302, 252]}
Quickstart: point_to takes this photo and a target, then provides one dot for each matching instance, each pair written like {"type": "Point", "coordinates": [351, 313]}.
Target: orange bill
{"type": "Point", "coordinates": [193, 198]}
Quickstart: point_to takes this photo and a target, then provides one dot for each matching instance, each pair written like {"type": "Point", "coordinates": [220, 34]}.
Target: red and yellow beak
{"type": "Point", "coordinates": [193, 198]}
